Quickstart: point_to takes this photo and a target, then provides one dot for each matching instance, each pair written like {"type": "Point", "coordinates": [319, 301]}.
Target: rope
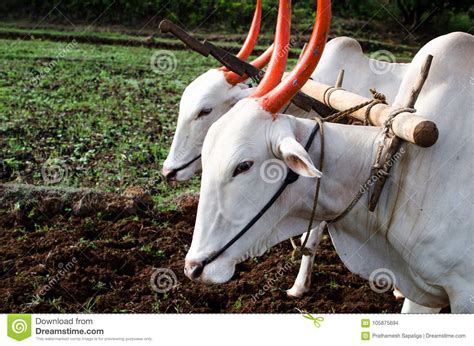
{"type": "Point", "coordinates": [351, 206]}
{"type": "Point", "coordinates": [327, 95]}
{"type": "Point", "coordinates": [336, 117]}
{"type": "Point", "coordinates": [378, 98]}
{"type": "Point", "coordinates": [379, 169]}
{"type": "Point", "coordinates": [342, 114]}
{"type": "Point", "coordinates": [298, 251]}
{"type": "Point", "coordinates": [386, 131]}
{"type": "Point", "coordinates": [388, 123]}
{"type": "Point", "coordinates": [376, 168]}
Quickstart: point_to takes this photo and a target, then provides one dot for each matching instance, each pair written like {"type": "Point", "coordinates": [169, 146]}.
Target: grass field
{"type": "Point", "coordinates": [101, 112]}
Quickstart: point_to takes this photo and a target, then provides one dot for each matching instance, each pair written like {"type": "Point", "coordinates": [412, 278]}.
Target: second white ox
{"type": "Point", "coordinates": [422, 211]}
{"type": "Point", "coordinates": [204, 101]}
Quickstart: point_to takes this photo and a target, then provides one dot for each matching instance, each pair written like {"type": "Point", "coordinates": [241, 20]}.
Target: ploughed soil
{"type": "Point", "coordinates": [62, 262]}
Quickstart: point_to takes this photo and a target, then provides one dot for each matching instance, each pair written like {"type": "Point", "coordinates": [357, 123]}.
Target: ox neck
{"type": "Point", "coordinates": [349, 155]}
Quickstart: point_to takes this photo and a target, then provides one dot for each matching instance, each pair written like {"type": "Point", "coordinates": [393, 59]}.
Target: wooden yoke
{"type": "Point", "coordinates": [410, 127]}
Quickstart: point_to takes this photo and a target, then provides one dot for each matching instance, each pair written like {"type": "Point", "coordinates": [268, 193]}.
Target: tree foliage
{"type": "Point", "coordinates": [414, 12]}
{"type": "Point", "coordinates": [229, 14]}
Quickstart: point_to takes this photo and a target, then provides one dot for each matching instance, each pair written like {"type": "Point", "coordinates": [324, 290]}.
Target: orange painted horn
{"type": "Point", "coordinates": [250, 41]}
{"type": "Point", "coordinates": [264, 58]}
{"type": "Point", "coordinates": [280, 53]}
{"type": "Point", "coordinates": [274, 98]}
{"type": "Point", "coordinates": [260, 62]}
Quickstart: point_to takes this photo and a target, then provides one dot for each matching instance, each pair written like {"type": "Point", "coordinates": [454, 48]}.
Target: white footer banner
{"type": "Point", "coordinates": [235, 329]}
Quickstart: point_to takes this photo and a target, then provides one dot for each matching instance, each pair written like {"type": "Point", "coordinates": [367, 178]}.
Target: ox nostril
{"type": "Point", "coordinates": [193, 270]}
{"type": "Point", "coordinates": [169, 174]}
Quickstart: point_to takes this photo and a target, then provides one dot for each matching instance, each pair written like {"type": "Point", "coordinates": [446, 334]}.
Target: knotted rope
{"type": "Point", "coordinates": [378, 98]}
{"type": "Point", "coordinates": [336, 117]}
{"type": "Point", "coordinates": [378, 168]}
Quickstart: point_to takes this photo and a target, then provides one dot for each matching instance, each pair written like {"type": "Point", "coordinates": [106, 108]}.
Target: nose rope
{"type": "Point", "coordinates": [290, 178]}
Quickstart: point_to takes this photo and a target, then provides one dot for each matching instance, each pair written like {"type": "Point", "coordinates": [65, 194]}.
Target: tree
{"type": "Point", "coordinates": [414, 12]}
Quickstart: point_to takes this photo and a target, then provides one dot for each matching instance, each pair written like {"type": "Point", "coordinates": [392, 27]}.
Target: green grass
{"type": "Point", "coordinates": [97, 111]}
{"type": "Point", "coordinates": [6, 27]}
{"type": "Point", "coordinates": [113, 36]}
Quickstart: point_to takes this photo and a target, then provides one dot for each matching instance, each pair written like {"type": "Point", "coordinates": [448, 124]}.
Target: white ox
{"type": "Point", "coordinates": [421, 232]}
{"type": "Point", "coordinates": [204, 101]}
{"type": "Point", "coordinates": [210, 96]}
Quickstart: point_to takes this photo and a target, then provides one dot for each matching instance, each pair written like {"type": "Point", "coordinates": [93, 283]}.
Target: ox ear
{"type": "Point", "coordinates": [297, 159]}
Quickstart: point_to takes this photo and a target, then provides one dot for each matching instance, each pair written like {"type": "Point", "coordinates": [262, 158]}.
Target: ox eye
{"type": "Point", "coordinates": [204, 112]}
{"type": "Point", "coordinates": [242, 167]}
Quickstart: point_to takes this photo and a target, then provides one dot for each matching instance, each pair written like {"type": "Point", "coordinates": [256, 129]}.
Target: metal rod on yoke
{"type": "Point", "coordinates": [340, 79]}
{"type": "Point", "coordinates": [205, 48]}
